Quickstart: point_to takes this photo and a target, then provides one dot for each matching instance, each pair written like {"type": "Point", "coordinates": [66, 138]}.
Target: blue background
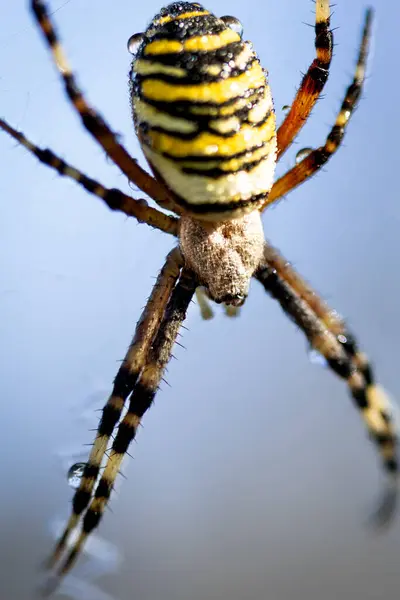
{"type": "Point", "coordinates": [253, 477]}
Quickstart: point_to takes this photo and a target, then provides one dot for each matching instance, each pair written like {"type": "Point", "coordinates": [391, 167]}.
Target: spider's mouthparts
{"type": "Point", "coordinates": [232, 300]}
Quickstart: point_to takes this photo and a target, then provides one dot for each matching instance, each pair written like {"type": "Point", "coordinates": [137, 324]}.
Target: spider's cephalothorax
{"type": "Point", "coordinates": [204, 116]}
{"type": "Point", "coordinates": [203, 112]}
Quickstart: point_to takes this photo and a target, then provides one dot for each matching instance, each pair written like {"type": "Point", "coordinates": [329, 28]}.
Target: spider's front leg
{"type": "Point", "coordinates": [138, 377]}
{"type": "Point", "coordinates": [91, 120]}
{"type": "Point", "coordinates": [328, 335]}
{"type": "Point", "coordinates": [316, 159]}
{"type": "Point", "coordinates": [313, 81]}
{"type": "Point", "coordinates": [113, 198]}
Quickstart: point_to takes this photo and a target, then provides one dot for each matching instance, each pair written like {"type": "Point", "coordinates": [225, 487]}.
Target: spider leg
{"type": "Point", "coordinates": [124, 383]}
{"type": "Point", "coordinates": [115, 199]}
{"type": "Point", "coordinates": [313, 81]}
{"type": "Point", "coordinates": [92, 121]}
{"type": "Point", "coordinates": [342, 358]}
{"type": "Point", "coordinates": [204, 303]}
{"type": "Point", "coordinates": [141, 380]}
{"type": "Point", "coordinates": [329, 317]}
{"type": "Point", "coordinates": [318, 157]}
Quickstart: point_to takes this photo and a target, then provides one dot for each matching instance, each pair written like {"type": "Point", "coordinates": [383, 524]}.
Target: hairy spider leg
{"type": "Point", "coordinates": [313, 81]}
{"type": "Point", "coordinates": [145, 385]}
{"type": "Point", "coordinates": [331, 318]}
{"type": "Point", "coordinates": [92, 121]}
{"type": "Point", "coordinates": [115, 199]}
{"type": "Point", "coordinates": [374, 405]}
{"type": "Point", "coordinates": [320, 156]}
{"type": "Point", "coordinates": [125, 381]}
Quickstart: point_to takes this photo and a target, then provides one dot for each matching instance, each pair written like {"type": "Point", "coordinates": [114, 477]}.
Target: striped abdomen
{"type": "Point", "coordinates": [203, 112]}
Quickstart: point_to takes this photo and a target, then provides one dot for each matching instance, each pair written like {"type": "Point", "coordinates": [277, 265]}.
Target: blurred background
{"type": "Point", "coordinates": [253, 476]}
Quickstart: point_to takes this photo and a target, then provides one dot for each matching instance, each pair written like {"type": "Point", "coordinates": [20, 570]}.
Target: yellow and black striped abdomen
{"type": "Point", "coordinates": [203, 112]}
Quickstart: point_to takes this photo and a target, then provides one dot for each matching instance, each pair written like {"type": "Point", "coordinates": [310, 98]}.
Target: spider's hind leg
{"type": "Point", "coordinates": [328, 335]}
{"type": "Point", "coordinates": [141, 370]}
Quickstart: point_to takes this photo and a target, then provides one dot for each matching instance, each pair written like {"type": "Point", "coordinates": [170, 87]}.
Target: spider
{"type": "Point", "coordinates": [204, 116]}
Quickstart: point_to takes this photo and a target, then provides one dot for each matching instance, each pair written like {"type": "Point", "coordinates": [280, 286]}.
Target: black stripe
{"type": "Point", "coordinates": [141, 398]}
{"type": "Point", "coordinates": [39, 10]}
{"type": "Point", "coordinates": [353, 94]}
{"type": "Point", "coordinates": [80, 501]}
{"type": "Point", "coordinates": [228, 134]}
{"type": "Point", "coordinates": [109, 419]}
{"type": "Point", "coordinates": [366, 370]}
{"type": "Point", "coordinates": [319, 76]}
{"type": "Point", "coordinates": [360, 397]}
{"type": "Point", "coordinates": [221, 208]}
{"type": "Point", "coordinates": [90, 521]}
{"type": "Point", "coordinates": [104, 488]}
{"type": "Point", "coordinates": [336, 134]}
{"type": "Point", "coordinates": [124, 436]}
{"type": "Point", "coordinates": [196, 76]}
{"type": "Point", "coordinates": [47, 157]}
{"type": "Point", "coordinates": [219, 157]}
{"type": "Point", "coordinates": [184, 29]}
{"type": "Point", "coordinates": [124, 382]}
{"type": "Point", "coordinates": [391, 465]}
{"type": "Point", "coordinates": [90, 471]}
{"type": "Point", "coordinates": [342, 367]}
{"type": "Point", "coordinates": [175, 9]}
{"type": "Point", "coordinates": [292, 305]}
{"type": "Point", "coordinates": [382, 438]}
{"type": "Point", "coordinates": [215, 173]}
{"type": "Point", "coordinates": [71, 87]}
{"type": "Point", "coordinates": [324, 39]}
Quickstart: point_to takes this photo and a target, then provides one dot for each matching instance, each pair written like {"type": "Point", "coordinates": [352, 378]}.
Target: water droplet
{"type": "Point", "coordinates": [302, 154]}
{"type": "Point", "coordinates": [134, 42]}
{"type": "Point", "coordinates": [286, 108]}
{"type": "Point", "coordinates": [75, 474]}
{"type": "Point", "coordinates": [316, 358]}
{"type": "Point", "coordinates": [234, 24]}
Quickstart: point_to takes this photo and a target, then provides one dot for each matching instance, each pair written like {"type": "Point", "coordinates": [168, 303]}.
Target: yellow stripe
{"type": "Point", "coordinates": [218, 91]}
{"type": "Point", "coordinates": [228, 125]}
{"type": "Point", "coordinates": [186, 15]}
{"type": "Point", "coordinates": [194, 44]}
{"type": "Point", "coordinates": [208, 144]}
{"type": "Point", "coordinates": [149, 67]}
{"type": "Point", "coordinates": [154, 117]}
{"type": "Point", "coordinates": [211, 42]}
{"type": "Point", "coordinates": [163, 47]}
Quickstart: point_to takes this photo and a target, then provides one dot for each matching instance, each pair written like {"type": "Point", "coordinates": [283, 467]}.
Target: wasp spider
{"type": "Point", "coordinates": [204, 116]}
